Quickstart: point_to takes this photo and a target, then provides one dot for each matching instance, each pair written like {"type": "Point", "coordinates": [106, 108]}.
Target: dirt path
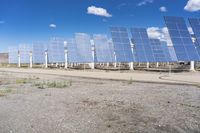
{"type": "Point", "coordinates": [33, 103]}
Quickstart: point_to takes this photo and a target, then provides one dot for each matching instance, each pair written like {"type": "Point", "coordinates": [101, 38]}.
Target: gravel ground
{"type": "Point", "coordinates": [95, 106]}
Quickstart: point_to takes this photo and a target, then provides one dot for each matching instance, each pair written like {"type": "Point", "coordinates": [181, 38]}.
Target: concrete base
{"type": "Point", "coordinates": [192, 68]}
{"type": "Point", "coordinates": [147, 64]}
{"type": "Point", "coordinates": [157, 64]}
{"type": "Point", "coordinates": [91, 65]}
{"type": "Point", "coordinates": [131, 66]}
{"type": "Point", "coordinates": [19, 61]}
{"type": "Point", "coordinates": [31, 61]}
{"type": "Point", "coordinates": [46, 60]}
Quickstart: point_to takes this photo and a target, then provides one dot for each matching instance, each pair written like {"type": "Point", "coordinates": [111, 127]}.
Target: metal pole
{"type": "Point", "coordinates": [46, 59]}
{"type": "Point", "coordinates": [192, 68]}
{"type": "Point", "coordinates": [66, 59]}
{"type": "Point", "coordinates": [31, 59]}
{"type": "Point", "coordinates": [19, 59]}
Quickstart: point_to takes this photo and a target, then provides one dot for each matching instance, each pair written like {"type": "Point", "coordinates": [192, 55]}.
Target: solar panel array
{"type": "Point", "coordinates": [103, 51]}
{"type": "Point", "coordinates": [56, 51]}
{"type": "Point", "coordinates": [25, 53]}
{"type": "Point", "coordinates": [142, 44]}
{"type": "Point", "coordinates": [181, 39]}
{"type": "Point", "coordinates": [179, 46]}
{"type": "Point", "coordinates": [84, 48]}
{"type": "Point", "coordinates": [121, 44]}
{"type": "Point", "coordinates": [13, 55]}
{"type": "Point", "coordinates": [72, 52]}
{"type": "Point", "coordinates": [158, 51]}
{"type": "Point", "coordinates": [38, 53]}
{"type": "Point", "coordinates": [195, 24]}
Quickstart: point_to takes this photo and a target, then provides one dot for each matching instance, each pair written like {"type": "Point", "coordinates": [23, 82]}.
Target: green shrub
{"type": "Point", "coordinates": [5, 91]}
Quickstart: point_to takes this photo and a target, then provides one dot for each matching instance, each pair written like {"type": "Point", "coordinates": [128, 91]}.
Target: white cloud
{"type": "Point", "coordinates": [193, 5]}
{"type": "Point", "coordinates": [163, 9]}
{"type": "Point", "coordinates": [144, 2]}
{"type": "Point", "coordinates": [52, 26]}
{"type": "Point", "coordinates": [98, 11]}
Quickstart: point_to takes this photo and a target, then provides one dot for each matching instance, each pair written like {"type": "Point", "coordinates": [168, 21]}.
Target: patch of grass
{"type": "Point", "coordinates": [5, 91]}
{"type": "Point", "coordinates": [26, 80]}
{"type": "Point", "coordinates": [39, 85]}
{"type": "Point", "coordinates": [130, 81]}
{"type": "Point", "coordinates": [109, 126]}
{"type": "Point", "coordinates": [59, 84]}
{"type": "Point", "coordinates": [21, 81]}
{"type": "Point", "coordinates": [53, 84]}
{"type": "Point", "coordinates": [198, 86]}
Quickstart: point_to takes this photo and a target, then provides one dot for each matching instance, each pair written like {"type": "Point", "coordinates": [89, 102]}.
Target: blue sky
{"type": "Point", "coordinates": [27, 21]}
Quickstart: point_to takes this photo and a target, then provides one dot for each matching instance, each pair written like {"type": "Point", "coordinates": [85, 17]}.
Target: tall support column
{"type": "Point", "coordinates": [19, 60]}
{"type": "Point", "coordinates": [147, 64]}
{"type": "Point", "coordinates": [157, 64]}
{"type": "Point", "coordinates": [46, 59]}
{"type": "Point", "coordinates": [131, 66]}
{"type": "Point", "coordinates": [93, 54]}
{"type": "Point", "coordinates": [66, 59]}
{"type": "Point", "coordinates": [31, 59]}
{"type": "Point", "coordinates": [132, 50]}
{"type": "Point", "coordinates": [192, 68]}
{"type": "Point", "coordinates": [115, 64]}
{"type": "Point", "coordinates": [108, 64]}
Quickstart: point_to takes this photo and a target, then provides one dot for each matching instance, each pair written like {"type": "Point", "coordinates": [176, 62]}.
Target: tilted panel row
{"type": "Point", "coordinates": [181, 39]}
{"type": "Point", "coordinates": [121, 44]}
{"type": "Point", "coordinates": [142, 44]}
{"type": "Point", "coordinates": [102, 49]}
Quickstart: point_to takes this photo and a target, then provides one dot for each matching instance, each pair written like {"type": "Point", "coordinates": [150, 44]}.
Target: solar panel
{"type": "Point", "coordinates": [195, 24]}
{"type": "Point", "coordinates": [158, 51]}
{"type": "Point", "coordinates": [25, 53]}
{"type": "Point", "coordinates": [13, 55]}
{"type": "Point", "coordinates": [111, 48]}
{"type": "Point", "coordinates": [121, 44]}
{"type": "Point", "coordinates": [142, 45]}
{"type": "Point", "coordinates": [84, 47]}
{"type": "Point", "coordinates": [103, 51]}
{"type": "Point", "coordinates": [72, 52]}
{"type": "Point", "coordinates": [181, 39]}
{"type": "Point", "coordinates": [38, 53]}
{"type": "Point", "coordinates": [172, 54]}
{"type": "Point", "coordinates": [166, 51]}
{"type": "Point", "coordinates": [56, 51]}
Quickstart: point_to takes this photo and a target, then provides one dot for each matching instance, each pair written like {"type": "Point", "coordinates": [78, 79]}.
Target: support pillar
{"type": "Point", "coordinates": [93, 54]}
{"type": "Point", "coordinates": [19, 60]}
{"type": "Point", "coordinates": [31, 60]}
{"type": "Point", "coordinates": [131, 66]}
{"type": "Point", "coordinates": [132, 50]}
{"type": "Point", "coordinates": [157, 64]}
{"type": "Point", "coordinates": [147, 65]}
{"type": "Point", "coordinates": [192, 68]}
{"type": "Point", "coordinates": [66, 59]}
{"type": "Point", "coordinates": [46, 59]}
{"type": "Point", "coordinates": [107, 64]}
{"type": "Point", "coordinates": [115, 64]}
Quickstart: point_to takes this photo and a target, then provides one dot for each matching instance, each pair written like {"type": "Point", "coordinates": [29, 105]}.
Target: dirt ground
{"type": "Point", "coordinates": [34, 103]}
